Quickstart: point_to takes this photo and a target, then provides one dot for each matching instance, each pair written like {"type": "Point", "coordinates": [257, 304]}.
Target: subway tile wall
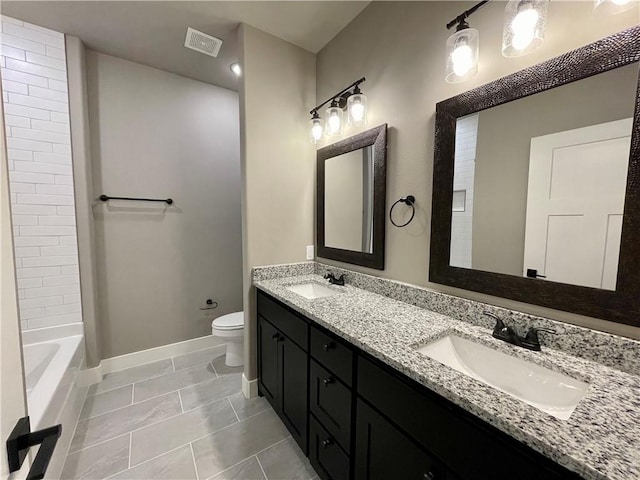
{"type": "Point", "coordinates": [36, 107]}
{"type": "Point", "coordinates": [463, 178]}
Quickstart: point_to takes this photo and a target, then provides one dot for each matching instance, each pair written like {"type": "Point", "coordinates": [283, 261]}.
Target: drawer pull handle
{"type": "Point", "coordinates": [327, 443]}
{"type": "Point", "coordinates": [328, 381]}
{"type": "Point", "coordinates": [329, 346]}
{"type": "Point", "coordinates": [429, 476]}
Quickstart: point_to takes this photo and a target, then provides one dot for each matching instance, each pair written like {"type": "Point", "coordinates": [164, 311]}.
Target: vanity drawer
{"type": "Point", "coordinates": [325, 455]}
{"type": "Point", "coordinates": [284, 319]}
{"type": "Point", "coordinates": [330, 402]}
{"type": "Point", "coordinates": [333, 354]}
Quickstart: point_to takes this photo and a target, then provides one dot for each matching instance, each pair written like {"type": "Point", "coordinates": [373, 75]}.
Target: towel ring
{"type": "Point", "coordinates": [408, 200]}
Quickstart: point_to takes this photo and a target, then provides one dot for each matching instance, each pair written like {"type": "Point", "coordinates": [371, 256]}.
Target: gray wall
{"type": "Point", "coordinates": [156, 134]}
{"type": "Point", "coordinates": [502, 157]}
{"type": "Point", "coordinates": [399, 48]}
{"type": "Point", "coordinates": [277, 90]}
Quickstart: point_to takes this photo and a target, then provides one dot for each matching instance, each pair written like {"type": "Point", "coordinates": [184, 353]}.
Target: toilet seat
{"type": "Point", "coordinates": [230, 321]}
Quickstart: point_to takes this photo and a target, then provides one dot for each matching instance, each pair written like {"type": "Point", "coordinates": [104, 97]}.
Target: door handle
{"type": "Point", "coordinates": [328, 381]}
{"type": "Point", "coordinates": [327, 443]}
{"type": "Point", "coordinates": [22, 438]}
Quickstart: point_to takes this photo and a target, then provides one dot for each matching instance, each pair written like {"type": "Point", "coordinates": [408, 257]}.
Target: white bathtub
{"type": "Point", "coordinates": [53, 359]}
{"type": "Point", "coordinates": [50, 372]}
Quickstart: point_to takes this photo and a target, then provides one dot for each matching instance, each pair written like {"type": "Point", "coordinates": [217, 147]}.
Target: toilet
{"type": "Point", "coordinates": [230, 327]}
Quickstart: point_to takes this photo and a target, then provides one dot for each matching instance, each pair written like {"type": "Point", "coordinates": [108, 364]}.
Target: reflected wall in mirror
{"type": "Point", "coordinates": [351, 195]}
{"type": "Point", "coordinates": [536, 184]}
{"type": "Point", "coordinates": [348, 201]}
{"type": "Point", "coordinates": [539, 182]}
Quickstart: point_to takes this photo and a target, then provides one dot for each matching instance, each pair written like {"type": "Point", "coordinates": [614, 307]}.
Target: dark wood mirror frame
{"type": "Point", "coordinates": [378, 138]}
{"type": "Point", "coordinates": [621, 305]}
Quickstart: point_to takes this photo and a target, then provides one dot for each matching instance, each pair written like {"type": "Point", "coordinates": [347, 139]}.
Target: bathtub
{"type": "Point", "coordinates": [51, 366]}
{"type": "Point", "coordinates": [50, 369]}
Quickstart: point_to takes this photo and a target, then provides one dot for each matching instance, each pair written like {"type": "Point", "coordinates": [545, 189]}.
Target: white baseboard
{"type": "Point", "coordinates": [134, 359]}
{"type": "Point", "coordinates": [249, 387]}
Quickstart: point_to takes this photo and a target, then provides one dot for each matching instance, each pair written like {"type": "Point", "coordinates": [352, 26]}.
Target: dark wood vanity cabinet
{"type": "Point", "coordinates": [361, 419]}
{"type": "Point", "coordinates": [383, 451]}
{"type": "Point", "coordinates": [283, 366]}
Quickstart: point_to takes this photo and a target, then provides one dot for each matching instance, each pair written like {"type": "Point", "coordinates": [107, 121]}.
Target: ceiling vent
{"type": "Point", "coordinates": [203, 43]}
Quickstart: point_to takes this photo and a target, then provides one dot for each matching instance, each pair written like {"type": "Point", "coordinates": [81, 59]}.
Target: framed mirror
{"type": "Point", "coordinates": [536, 187]}
{"type": "Point", "coordinates": [351, 195]}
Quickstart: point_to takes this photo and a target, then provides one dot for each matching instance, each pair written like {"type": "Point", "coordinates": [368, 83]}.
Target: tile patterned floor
{"type": "Point", "coordinates": [181, 418]}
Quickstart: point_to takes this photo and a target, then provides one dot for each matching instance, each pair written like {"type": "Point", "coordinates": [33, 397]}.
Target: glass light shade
{"type": "Point", "coordinates": [524, 23]}
{"type": "Point", "coordinates": [334, 122]}
{"type": "Point", "coordinates": [462, 55]}
{"type": "Point", "coordinates": [611, 7]}
{"type": "Point", "coordinates": [315, 129]}
{"type": "Point", "coordinates": [357, 109]}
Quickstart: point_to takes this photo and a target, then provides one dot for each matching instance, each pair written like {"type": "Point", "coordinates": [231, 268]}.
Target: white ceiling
{"type": "Point", "coordinates": [152, 33]}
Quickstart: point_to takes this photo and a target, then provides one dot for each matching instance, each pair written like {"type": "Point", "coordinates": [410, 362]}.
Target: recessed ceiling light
{"type": "Point", "coordinates": [235, 68]}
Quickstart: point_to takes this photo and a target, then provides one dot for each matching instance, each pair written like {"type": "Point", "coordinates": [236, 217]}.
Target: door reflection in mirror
{"type": "Point", "coordinates": [576, 192]}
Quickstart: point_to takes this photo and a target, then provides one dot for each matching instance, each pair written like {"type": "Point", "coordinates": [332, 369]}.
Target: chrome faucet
{"type": "Point", "coordinates": [333, 280]}
{"type": "Point", "coordinates": [507, 334]}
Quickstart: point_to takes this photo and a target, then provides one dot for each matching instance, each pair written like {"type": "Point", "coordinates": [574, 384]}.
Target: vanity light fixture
{"type": "Point", "coordinates": [462, 48]}
{"type": "Point", "coordinates": [524, 23]}
{"type": "Point", "coordinates": [352, 99]}
{"type": "Point", "coordinates": [611, 7]}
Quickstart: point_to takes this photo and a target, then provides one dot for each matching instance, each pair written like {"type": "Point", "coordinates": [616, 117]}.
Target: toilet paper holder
{"type": "Point", "coordinates": [210, 305]}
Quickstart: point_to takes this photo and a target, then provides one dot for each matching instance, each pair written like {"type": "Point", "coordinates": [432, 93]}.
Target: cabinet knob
{"type": "Point", "coordinates": [275, 336]}
{"type": "Point", "coordinates": [326, 443]}
{"type": "Point", "coordinates": [429, 476]}
{"type": "Point", "coordinates": [329, 346]}
{"type": "Point", "coordinates": [328, 381]}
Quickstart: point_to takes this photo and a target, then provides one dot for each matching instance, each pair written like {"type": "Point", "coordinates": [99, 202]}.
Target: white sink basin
{"type": "Point", "coordinates": [549, 391]}
{"type": "Point", "coordinates": [311, 290]}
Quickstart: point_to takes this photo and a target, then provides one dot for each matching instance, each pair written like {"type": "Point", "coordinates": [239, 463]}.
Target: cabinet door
{"type": "Point", "coordinates": [268, 337]}
{"type": "Point", "coordinates": [325, 455]}
{"type": "Point", "coordinates": [384, 452]}
{"type": "Point", "coordinates": [293, 376]}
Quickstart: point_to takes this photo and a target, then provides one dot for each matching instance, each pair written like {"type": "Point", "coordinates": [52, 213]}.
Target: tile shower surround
{"type": "Point", "coordinates": [36, 109]}
{"type": "Point", "coordinates": [181, 418]}
{"type": "Point", "coordinates": [598, 442]}
{"type": "Point", "coordinates": [607, 349]}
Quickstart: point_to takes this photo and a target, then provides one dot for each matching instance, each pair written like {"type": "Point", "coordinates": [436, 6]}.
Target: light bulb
{"type": "Point", "coordinates": [525, 21]}
{"type": "Point", "coordinates": [334, 115]}
{"type": "Point", "coordinates": [522, 40]}
{"type": "Point", "coordinates": [334, 123]}
{"type": "Point", "coordinates": [524, 28]}
{"type": "Point", "coordinates": [357, 111]}
{"type": "Point", "coordinates": [316, 129]}
{"type": "Point", "coordinates": [462, 58]}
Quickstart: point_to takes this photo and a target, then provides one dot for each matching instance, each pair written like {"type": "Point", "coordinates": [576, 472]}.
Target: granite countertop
{"type": "Point", "coordinates": [601, 439]}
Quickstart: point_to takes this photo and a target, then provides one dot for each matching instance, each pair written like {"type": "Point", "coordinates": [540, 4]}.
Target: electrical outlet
{"type": "Point", "coordinates": [310, 252]}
